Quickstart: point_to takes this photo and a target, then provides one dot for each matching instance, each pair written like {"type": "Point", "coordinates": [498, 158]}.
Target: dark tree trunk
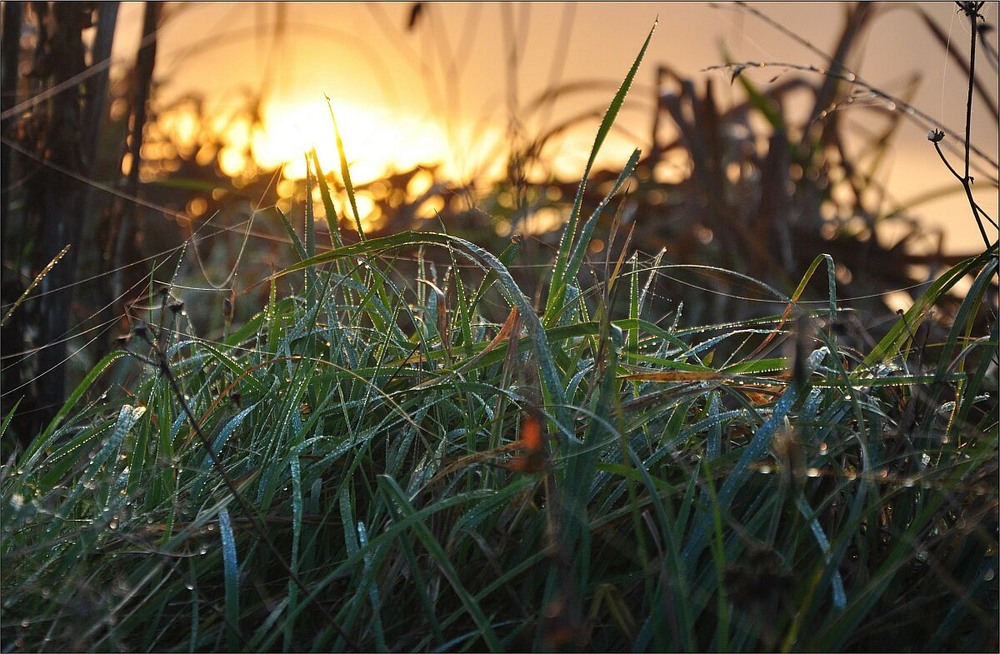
{"type": "Point", "coordinates": [60, 212]}
{"type": "Point", "coordinates": [97, 84]}
{"type": "Point", "coordinates": [10, 47]}
{"type": "Point", "coordinates": [45, 178]}
{"type": "Point", "coordinates": [120, 246]}
{"type": "Point", "coordinates": [101, 166]}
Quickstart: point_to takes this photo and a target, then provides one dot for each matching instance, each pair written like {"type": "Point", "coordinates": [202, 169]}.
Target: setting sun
{"type": "Point", "coordinates": [373, 140]}
{"type": "Point", "coordinates": [377, 142]}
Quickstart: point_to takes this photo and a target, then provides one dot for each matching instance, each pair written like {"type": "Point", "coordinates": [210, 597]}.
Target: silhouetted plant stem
{"type": "Point", "coordinates": [971, 10]}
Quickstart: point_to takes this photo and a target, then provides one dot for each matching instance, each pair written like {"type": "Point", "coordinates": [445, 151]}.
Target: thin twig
{"type": "Point", "coordinates": [971, 10]}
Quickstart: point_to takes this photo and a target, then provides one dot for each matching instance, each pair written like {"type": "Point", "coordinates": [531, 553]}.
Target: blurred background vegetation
{"type": "Point", "coordinates": [145, 191]}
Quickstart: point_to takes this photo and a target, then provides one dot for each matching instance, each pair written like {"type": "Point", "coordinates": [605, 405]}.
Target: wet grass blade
{"type": "Point", "coordinates": [426, 538]}
{"type": "Point", "coordinates": [329, 209]}
{"type": "Point", "coordinates": [70, 403]}
{"type": "Point", "coordinates": [552, 383]}
{"type": "Point", "coordinates": [345, 172]}
{"type": "Point", "coordinates": [230, 569]}
{"type": "Point", "coordinates": [560, 272]}
{"type": "Point", "coordinates": [890, 345]}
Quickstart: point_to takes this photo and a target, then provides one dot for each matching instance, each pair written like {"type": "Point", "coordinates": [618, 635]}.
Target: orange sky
{"type": "Point", "coordinates": [446, 87]}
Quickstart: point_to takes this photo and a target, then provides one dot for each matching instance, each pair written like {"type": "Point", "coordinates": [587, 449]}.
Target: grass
{"type": "Point", "coordinates": [369, 463]}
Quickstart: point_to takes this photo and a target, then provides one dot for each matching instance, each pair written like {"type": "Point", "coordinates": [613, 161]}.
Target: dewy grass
{"type": "Point", "coordinates": [429, 480]}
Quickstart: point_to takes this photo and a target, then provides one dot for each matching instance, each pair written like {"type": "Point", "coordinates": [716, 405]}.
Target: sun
{"type": "Point", "coordinates": [375, 141]}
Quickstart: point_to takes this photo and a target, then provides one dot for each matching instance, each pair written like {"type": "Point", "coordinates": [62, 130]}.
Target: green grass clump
{"type": "Point", "coordinates": [371, 464]}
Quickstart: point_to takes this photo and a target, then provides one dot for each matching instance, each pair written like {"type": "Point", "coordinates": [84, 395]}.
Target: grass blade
{"type": "Point", "coordinates": [230, 570]}
{"type": "Point", "coordinates": [426, 538]}
{"type": "Point", "coordinates": [560, 271]}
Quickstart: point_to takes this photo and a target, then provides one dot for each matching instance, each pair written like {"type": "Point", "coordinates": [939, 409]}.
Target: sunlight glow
{"type": "Point", "coordinates": [375, 141]}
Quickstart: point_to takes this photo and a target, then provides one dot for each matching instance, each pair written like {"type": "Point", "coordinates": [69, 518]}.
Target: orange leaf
{"type": "Point", "coordinates": [532, 443]}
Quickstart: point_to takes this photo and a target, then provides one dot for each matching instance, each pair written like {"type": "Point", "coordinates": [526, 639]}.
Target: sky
{"type": "Point", "coordinates": [448, 88]}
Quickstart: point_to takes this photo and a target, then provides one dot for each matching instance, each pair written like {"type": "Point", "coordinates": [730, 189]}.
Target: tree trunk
{"type": "Point", "coordinates": [60, 213]}
{"type": "Point", "coordinates": [57, 137]}
{"type": "Point", "coordinates": [10, 46]}
{"type": "Point", "coordinates": [120, 247]}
